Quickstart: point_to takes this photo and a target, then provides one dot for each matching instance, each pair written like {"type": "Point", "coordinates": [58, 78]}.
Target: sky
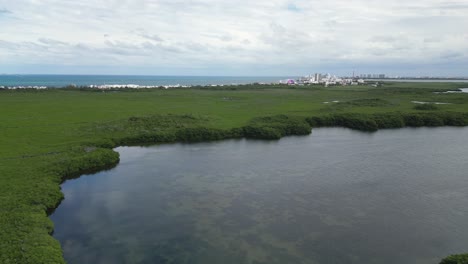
{"type": "Point", "coordinates": [242, 37]}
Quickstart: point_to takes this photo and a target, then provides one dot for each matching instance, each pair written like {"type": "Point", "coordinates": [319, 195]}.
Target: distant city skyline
{"type": "Point", "coordinates": [241, 38]}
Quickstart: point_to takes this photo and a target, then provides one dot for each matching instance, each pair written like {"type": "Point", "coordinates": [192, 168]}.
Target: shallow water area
{"type": "Point", "coordinates": [461, 90]}
{"type": "Point", "coordinates": [336, 196]}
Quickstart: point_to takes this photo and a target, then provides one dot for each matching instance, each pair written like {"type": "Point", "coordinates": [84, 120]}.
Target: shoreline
{"type": "Point", "coordinates": [102, 158]}
{"type": "Point", "coordinates": [133, 86]}
{"type": "Point", "coordinates": [112, 163]}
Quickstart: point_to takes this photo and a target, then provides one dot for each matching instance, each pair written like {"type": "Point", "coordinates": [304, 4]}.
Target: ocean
{"type": "Point", "coordinates": [88, 80]}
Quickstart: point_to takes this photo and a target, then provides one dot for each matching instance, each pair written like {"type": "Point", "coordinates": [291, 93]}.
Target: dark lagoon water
{"type": "Point", "coordinates": [336, 196]}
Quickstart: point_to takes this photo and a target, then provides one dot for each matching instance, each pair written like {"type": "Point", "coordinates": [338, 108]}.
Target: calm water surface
{"type": "Point", "coordinates": [337, 196]}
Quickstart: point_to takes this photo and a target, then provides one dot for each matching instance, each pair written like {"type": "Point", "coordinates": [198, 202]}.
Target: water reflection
{"type": "Point", "coordinates": [337, 196]}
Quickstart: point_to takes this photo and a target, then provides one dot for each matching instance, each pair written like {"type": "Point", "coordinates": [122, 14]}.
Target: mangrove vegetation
{"type": "Point", "coordinates": [48, 136]}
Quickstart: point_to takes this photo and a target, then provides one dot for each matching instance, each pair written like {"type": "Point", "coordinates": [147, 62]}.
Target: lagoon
{"type": "Point", "coordinates": [336, 196]}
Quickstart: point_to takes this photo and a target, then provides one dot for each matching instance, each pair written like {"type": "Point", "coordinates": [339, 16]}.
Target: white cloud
{"type": "Point", "coordinates": [4, 11]}
{"type": "Point", "coordinates": [279, 35]}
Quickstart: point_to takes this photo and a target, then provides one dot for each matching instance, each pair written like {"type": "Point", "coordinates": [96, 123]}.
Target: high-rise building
{"type": "Point", "coordinates": [318, 77]}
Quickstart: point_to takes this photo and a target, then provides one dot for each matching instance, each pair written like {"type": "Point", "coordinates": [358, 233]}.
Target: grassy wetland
{"type": "Point", "coordinates": [54, 134]}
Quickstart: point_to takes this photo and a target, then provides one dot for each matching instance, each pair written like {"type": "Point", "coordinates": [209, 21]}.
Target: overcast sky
{"type": "Point", "coordinates": [242, 37]}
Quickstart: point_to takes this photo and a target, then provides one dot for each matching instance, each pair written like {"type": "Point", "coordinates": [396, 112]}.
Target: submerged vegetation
{"type": "Point", "coordinates": [55, 134]}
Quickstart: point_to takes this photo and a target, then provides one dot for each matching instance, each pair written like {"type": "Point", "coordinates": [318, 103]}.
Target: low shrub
{"type": "Point", "coordinates": [455, 259]}
{"type": "Point", "coordinates": [353, 121]}
{"type": "Point", "coordinates": [433, 120]}
{"type": "Point", "coordinates": [389, 120]}
{"type": "Point", "coordinates": [83, 161]}
{"type": "Point", "coordinates": [197, 134]}
{"type": "Point", "coordinates": [322, 121]}
{"type": "Point", "coordinates": [455, 119]}
{"type": "Point", "coordinates": [372, 122]}
{"type": "Point", "coordinates": [426, 107]}
{"type": "Point", "coordinates": [413, 120]}
{"type": "Point", "coordinates": [258, 132]}
{"type": "Point", "coordinates": [147, 137]}
{"type": "Point", "coordinates": [275, 127]}
{"type": "Point", "coordinates": [370, 102]}
{"type": "Point", "coordinates": [358, 122]}
{"type": "Point", "coordinates": [236, 133]}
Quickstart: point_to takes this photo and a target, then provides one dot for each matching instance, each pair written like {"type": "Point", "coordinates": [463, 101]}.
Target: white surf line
{"type": "Point", "coordinates": [437, 103]}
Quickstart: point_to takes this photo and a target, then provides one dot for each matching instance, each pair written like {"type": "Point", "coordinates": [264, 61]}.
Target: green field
{"type": "Point", "coordinates": [49, 135]}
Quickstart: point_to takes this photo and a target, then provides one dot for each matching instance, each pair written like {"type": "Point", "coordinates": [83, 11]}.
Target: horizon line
{"type": "Point", "coordinates": [393, 76]}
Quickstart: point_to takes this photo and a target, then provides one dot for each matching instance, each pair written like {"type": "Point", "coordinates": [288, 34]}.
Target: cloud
{"type": "Point", "coordinates": [293, 8]}
{"type": "Point", "coordinates": [48, 41]}
{"type": "Point", "coordinates": [451, 55]}
{"type": "Point", "coordinates": [456, 6]}
{"type": "Point", "coordinates": [153, 37]}
{"type": "Point", "coordinates": [147, 36]}
{"type": "Point", "coordinates": [246, 42]}
{"type": "Point", "coordinates": [4, 11]}
{"type": "Point", "coordinates": [385, 38]}
{"type": "Point", "coordinates": [279, 35]}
